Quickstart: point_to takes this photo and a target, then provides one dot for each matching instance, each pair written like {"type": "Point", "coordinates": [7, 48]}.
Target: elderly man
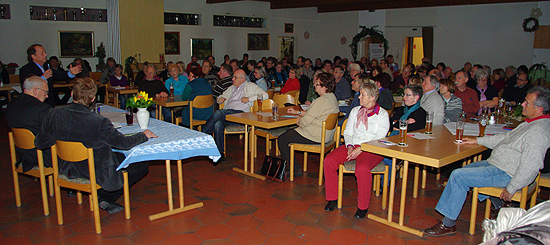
{"type": "Point", "coordinates": [238, 98]}
{"type": "Point", "coordinates": [514, 163]}
{"type": "Point", "coordinates": [401, 80]}
{"type": "Point", "coordinates": [28, 111]}
{"type": "Point", "coordinates": [470, 101]}
{"type": "Point", "coordinates": [37, 66]}
{"type": "Point", "coordinates": [431, 101]}
{"type": "Point", "coordinates": [342, 90]}
{"type": "Point", "coordinates": [225, 80]}
{"type": "Point", "coordinates": [65, 123]}
{"type": "Point", "coordinates": [154, 87]}
{"type": "Point", "coordinates": [516, 93]}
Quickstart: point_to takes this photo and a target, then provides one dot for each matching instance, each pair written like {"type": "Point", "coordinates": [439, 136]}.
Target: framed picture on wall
{"type": "Point", "coordinates": [258, 41]}
{"type": "Point", "coordinates": [171, 42]}
{"type": "Point", "coordinates": [76, 44]}
{"type": "Point", "coordinates": [286, 47]}
{"type": "Point", "coordinates": [289, 28]}
{"type": "Point", "coordinates": [202, 47]}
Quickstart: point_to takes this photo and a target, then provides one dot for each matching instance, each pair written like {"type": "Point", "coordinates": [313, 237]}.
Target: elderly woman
{"type": "Point", "coordinates": [310, 122]}
{"type": "Point", "coordinates": [260, 74]}
{"type": "Point", "coordinates": [118, 79]}
{"type": "Point", "coordinates": [292, 83]}
{"type": "Point", "coordinates": [411, 111]}
{"type": "Point", "coordinates": [182, 67]}
{"type": "Point", "coordinates": [197, 86]}
{"type": "Point", "coordinates": [487, 94]}
{"type": "Point", "coordinates": [176, 79]}
{"type": "Point", "coordinates": [453, 104]}
{"type": "Point", "coordinates": [365, 123]}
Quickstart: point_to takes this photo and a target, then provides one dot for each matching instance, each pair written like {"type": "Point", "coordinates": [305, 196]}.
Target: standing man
{"type": "Point", "coordinates": [28, 111]}
{"type": "Point", "coordinates": [225, 80]}
{"type": "Point", "coordinates": [37, 66]}
{"type": "Point", "coordinates": [470, 101]}
{"type": "Point", "coordinates": [238, 98]}
{"type": "Point", "coordinates": [515, 162]}
{"type": "Point", "coordinates": [431, 101]}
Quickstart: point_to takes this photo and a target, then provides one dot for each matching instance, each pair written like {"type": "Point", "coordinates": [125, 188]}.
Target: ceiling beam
{"type": "Point", "coordinates": [221, 1]}
{"type": "Point", "coordinates": [282, 4]}
{"type": "Point", "coordinates": [405, 4]}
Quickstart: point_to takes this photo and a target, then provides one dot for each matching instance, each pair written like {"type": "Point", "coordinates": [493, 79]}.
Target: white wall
{"type": "Point", "coordinates": [20, 32]}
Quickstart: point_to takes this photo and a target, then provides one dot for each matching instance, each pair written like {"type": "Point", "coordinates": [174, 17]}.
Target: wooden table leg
{"type": "Point", "coordinates": [403, 193]}
{"type": "Point", "coordinates": [252, 141]}
{"type": "Point", "coordinates": [246, 149]}
{"type": "Point", "coordinates": [424, 175]}
{"type": "Point", "coordinates": [392, 189]}
{"type": "Point", "coordinates": [169, 185]}
{"type": "Point", "coordinates": [415, 183]}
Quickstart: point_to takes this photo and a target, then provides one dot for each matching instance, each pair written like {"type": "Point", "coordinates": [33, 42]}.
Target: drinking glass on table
{"type": "Point", "coordinates": [459, 130]}
{"type": "Point", "coordinates": [129, 116]}
{"type": "Point", "coordinates": [483, 121]}
{"type": "Point", "coordinates": [259, 98]}
{"type": "Point", "coordinates": [275, 111]}
{"type": "Point", "coordinates": [509, 113]}
{"type": "Point", "coordinates": [403, 133]}
{"type": "Point", "coordinates": [429, 122]}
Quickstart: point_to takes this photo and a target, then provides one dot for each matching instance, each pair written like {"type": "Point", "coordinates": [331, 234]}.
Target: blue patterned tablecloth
{"type": "Point", "coordinates": [174, 142]}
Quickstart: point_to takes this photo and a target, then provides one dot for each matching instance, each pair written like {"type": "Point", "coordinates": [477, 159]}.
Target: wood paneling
{"type": "Point", "coordinates": [542, 37]}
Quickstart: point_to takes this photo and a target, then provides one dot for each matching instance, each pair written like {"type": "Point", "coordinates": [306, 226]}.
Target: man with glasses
{"type": "Point", "coordinates": [516, 93]}
{"type": "Point", "coordinates": [238, 98]}
{"type": "Point", "coordinates": [515, 161]}
{"type": "Point", "coordinates": [27, 111]}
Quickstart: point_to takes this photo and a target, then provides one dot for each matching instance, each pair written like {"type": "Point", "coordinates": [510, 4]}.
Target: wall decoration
{"type": "Point", "coordinates": [201, 47]}
{"type": "Point", "coordinates": [172, 42]}
{"type": "Point", "coordinates": [372, 32]}
{"type": "Point", "coordinates": [286, 47]}
{"type": "Point", "coordinates": [76, 44]}
{"type": "Point", "coordinates": [306, 35]}
{"type": "Point", "coordinates": [258, 41]}
{"type": "Point", "coordinates": [289, 28]}
{"type": "Point", "coordinates": [343, 40]}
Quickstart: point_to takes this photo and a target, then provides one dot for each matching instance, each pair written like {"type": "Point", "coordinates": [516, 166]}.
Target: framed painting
{"type": "Point", "coordinates": [76, 44]}
{"type": "Point", "coordinates": [202, 47]}
{"type": "Point", "coordinates": [286, 47]}
{"type": "Point", "coordinates": [258, 41]}
{"type": "Point", "coordinates": [171, 42]}
{"type": "Point", "coordinates": [289, 28]}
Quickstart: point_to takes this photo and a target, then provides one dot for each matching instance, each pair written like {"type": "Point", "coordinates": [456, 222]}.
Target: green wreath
{"type": "Point", "coordinates": [527, 21]}
{"type": "Point", "coordinates": [372, 32]}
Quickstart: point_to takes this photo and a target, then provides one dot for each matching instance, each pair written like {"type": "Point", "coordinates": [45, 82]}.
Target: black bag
{"type": "Point", "coordinates": [274, 168]}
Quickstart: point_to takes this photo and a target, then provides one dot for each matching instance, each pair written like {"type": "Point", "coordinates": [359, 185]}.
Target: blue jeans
{"type": "Point", "coordinates": [217, 123]}
{"type": "Point", "coordinates": [478, 174]}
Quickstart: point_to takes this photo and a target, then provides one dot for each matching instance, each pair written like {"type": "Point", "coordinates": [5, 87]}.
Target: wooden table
{"type": "Point", "coordinates": [117, 92]}
{"type": "Point", "coordinates": [8, 89]}
{"type": "Point", "coordinates": [254, 120]}
{"type": "Point", "coordinates": [168, 102]}
{"type": "Point", "coordinates": [436, 153]}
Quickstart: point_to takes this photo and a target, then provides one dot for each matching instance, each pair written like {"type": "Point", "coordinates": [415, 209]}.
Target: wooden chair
{"type": "Point", "coordinates": [24, 139]}
{"type": "Point", "coordinates": [76, 152]}
{"type": "Point", "coordinates": [544, 180]}
{"type": "Point", "coordinates": [521, 196]}
{"type": "Point", "coordinates": [110, 99]}
{"type": "Point", "coordinates": [282, 99]}
{"type": "Point", "coordinates": [293, 93]}
{"type": "Point", "coordinates": [329, 124]}
{"type": "Point", "coordinates": [270, 93]}
{"type": "Point", "coordinates": [200, 102]}
{"type": "Point", "coordinates": [349, 168]}
{"type": "Point", "coordinates": [234, 129]}
{"type": "Point", "coordinates": [96, 76]}
{"type": "Point", "coordinates": [270, 134]}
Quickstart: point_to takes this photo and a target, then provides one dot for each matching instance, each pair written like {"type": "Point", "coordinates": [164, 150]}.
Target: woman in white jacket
{"type": "Point", "coordinates": [365, 123]}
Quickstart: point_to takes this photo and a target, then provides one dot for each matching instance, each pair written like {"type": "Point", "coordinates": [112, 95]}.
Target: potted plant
{"type": "Point", "coordinates": [100, 54]}
{"type": "Point", "coordinates": [141, 101]}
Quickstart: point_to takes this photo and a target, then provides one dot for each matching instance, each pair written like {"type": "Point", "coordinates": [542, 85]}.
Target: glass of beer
{"type": "Point", "coordinates": [259, 98]}
{"type": "Point", "coordinates": [275, 111]}
{"type": "Point", "coordinates": [459, 130]}
{"type": "Point", "coordinates": [129, 116]}
{"type": "Point", "coordinates": [483, 121]}
{"type": "Point", "coordinates": [429, 122]}
{"type": "Point", "coordinates": [402, 133]}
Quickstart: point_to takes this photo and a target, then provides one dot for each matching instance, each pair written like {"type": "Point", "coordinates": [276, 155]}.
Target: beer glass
{"type": "Point", "coordinates": [275, 111]}
{"type": "Point", "coordinates": [459, 130]}
{"type": "Point", "coordinates": [483, 121]}
{"type": "Point", "coordinates": [429, 122]}
{"type": "Point", "coordinates": [259, 98]}
{"type": "Point", "coordinates": [402, 132]}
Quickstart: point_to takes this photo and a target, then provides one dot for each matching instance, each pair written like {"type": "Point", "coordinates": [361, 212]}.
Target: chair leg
{"type": "Point", "coordinates": [126, 195]}
{"type": "Point", "coordinates": [95, 204]}
{"type": "Point", "coordinates": [91, 202]}
{"type": "Point", "coordinates": [44, 193]}
{"type": "Point", "coordinates": [224, 143]}
{"type": "Point", "coordinates": [534, 197]}
{"type": "Point", "coordinates": [474, 211]}
{"type": "Point", "coordinates": [79, 197]}
{"type": "Point", "coordinates": [438, 176]}
{"type": "Point", "coordinates": [340, 185]}
{"type": "Point", "coordinates": [277, 152]}
{"type": "Point", "coordinates": [291, 162]}
{"type": "Point", "coordinates": [487, 208]}
{"type": "Point", "coordinates": [58, 204]}
{"type": "Point", "coordinates": [385, 188]}
{"type": "Point", "coordinates": [267, 145]}
{"type": "Point", "coordinates": [305, 161]}
{"type": "Point", "coordinates": [16, 188]}
{"type": "Point", "coordinates": [320, 168]}
{"type": "Point", "coordinates": [424, 173]}
{"type": "Point", "coordinates": [50, 182]}
{"type": "Point", "coordinates": [376, 180]}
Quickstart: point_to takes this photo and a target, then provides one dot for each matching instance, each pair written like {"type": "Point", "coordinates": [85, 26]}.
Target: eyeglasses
{"type": "Point", "coordinates": [45, 91]}
{"type": "Point", "coordinates": [527, 103]}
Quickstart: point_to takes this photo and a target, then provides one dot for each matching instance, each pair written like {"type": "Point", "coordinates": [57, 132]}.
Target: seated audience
{"type": "Point", "coordinates": [385, 97]}
{"type": "Point", "coordinates": [308, 69]}
{"type": "Point", "coordinates": [304, 85]}
{"type": "Point", "coordinates": [487, 94]}
{"type": "Point", "coordinates": [431, 100]}
{"type": "Point", "coordinates": [365, 123]}
{"type": "Point", "coordinates": [515, 162]}
{"type": "Point", "coordinates": [152, 86]}
{"type": "Point", "coordinates": [499, 79]}
{"type": "Point", "coordinates": [65, 123]}
{"type": "Point", "coordinates": [410, 111]}
{"type": "Point", "coordinates": [259, 74]}
{"type": "Point", "coordinates": [356, 85]}
{"type": "Point", "coordinates": [385, 67]}
{"type": "Point", "coordinates": [292, 83]}
{"type": "Point", "coordinates": [470, 102]}
{"type": "Point", "coordinates": [516, 93]}
{"type": "Point", "coordinates": [310, 122]}
{"type": "Point", "coordinates": [342, 90]}
{"type": "Point", "coordinates": [197, 86]}
{"type": "Point", "coordinates": [453, 104]}
{"type": "Point", "coordinates": [402, 80]}
{"type": "Point", "coordinates": [209, 76]}
{"type": "Point", "coordinates": [225, 80]}
{"type": "Point", "coordinates": [118, 79]}
{"type": "Point", "coordinates": [85, 70]}
{"type": "Point", "coordinates": [183, 70]}
{"type": "Point", "coordinates": [279, 75]}
{"type": "Point", "coordinates": [141, 74]}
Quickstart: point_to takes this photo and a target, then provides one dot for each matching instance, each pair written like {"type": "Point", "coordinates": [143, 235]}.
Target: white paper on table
{"type": "Point", "coordinates": [118, 87]}
{"type": "Point", "coordinates": [304, 107]}
{"type": "Point", "coordinates": [420, 136]}
{"type": "Point", "coordinates": [472, 129]}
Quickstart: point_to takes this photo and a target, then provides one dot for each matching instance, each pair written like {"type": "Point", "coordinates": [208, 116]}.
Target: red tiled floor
{"type": "Point", "coordinates": [237, 209]}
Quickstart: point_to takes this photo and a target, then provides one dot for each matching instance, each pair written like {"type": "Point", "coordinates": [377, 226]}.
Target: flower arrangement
{"type": "Point", "coordinates": [140, 100]}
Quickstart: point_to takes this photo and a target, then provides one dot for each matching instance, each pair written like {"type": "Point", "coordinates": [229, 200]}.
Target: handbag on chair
{"type": "Point", "coordinates": [274, 168]}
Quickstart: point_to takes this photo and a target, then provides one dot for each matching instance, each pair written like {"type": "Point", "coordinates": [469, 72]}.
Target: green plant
{"type": "Point", "coordinates": [128, 65]}
{"type": "Point", "coordinates": [140, 100]}
{"type": "Point", "coordinates": [100, 54]}
{"type": "Point", "coordinates": [372, 32]}
{"type": "Point", "coordinates": [539, 71]}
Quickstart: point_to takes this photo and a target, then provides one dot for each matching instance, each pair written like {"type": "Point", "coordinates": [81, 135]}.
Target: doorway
{"type": "Point", "coordinates": [413, 50]}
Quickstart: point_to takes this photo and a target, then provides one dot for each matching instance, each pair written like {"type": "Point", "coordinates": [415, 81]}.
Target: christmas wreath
{"type": "Point", "coordinates": [531, 21]}
{"type": "Point", "coordinates": [372, 32]}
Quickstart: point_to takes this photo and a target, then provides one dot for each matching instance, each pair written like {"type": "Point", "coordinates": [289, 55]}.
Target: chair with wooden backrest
{"type": "Point", "coordinates": [270, 93]}
{"type": "Point", "coordinates": [282, 99]}
{"type": "Point", "coordinates": [293, 93]}
{"type": "Point", "coordinates": [24, 139]}
{"type": "Point", "coordinates": [269, 134]}
{"type": "Point", "coordinates": [520, 196]}
{"type": "Point", "coordinates": [235, 129]}
{"type": "Point", "coordinates": [75, 152]}
{"type": "Point", "coordinates": [349, 168]}
{"type": "Point", "coordinates": [109, 99]}
{"type": "Point", "coordinates": [200, 102]}
{"type": "Point", "coordinates": [329, 124]}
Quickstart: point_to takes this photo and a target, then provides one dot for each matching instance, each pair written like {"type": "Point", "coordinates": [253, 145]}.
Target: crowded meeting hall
{"type": "Point", "coordinates": [275, 122]}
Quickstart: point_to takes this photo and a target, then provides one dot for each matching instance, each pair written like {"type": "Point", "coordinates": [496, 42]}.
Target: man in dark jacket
{"type": "Point", "coordinates": [78, 124]}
